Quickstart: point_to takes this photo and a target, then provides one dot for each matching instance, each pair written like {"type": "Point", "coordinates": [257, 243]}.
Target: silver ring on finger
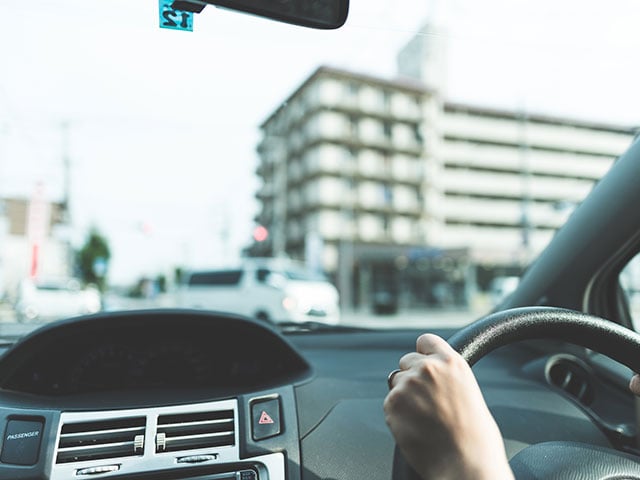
{"type": "Point", "coordinates": [390, 377]}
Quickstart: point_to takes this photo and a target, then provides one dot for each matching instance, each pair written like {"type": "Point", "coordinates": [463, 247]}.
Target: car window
{"type": "Point", "coordinates": [205, 279]}
{"type": "Point", "coordinates": [52, 287]}
{"type": "Point", "coordinates": [262, 274]}
{"type": "Point", "coordinates": [304, 275]}
{"type": "Point", "coordinates": [630, 282]}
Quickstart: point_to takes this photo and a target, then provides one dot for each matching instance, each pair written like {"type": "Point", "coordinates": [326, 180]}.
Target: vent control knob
{"type": "Point", "coordinates": [161, 442]}
{"type": "Point", "coordinates": [138, 444]}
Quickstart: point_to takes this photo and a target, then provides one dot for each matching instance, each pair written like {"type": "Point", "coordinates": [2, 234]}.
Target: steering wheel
{"type": "Point", "coordinates": [552, 460]}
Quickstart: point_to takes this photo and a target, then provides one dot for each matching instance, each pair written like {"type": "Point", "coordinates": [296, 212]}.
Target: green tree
{"type": "Point", "coordinates": [93, 259]}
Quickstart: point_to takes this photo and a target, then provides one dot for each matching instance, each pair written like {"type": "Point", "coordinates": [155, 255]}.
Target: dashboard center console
{"type": "Point", "coordinates": [175, 395]}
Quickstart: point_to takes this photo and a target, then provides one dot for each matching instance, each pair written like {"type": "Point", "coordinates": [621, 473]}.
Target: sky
{"type": "Point", "coordinates": [163, 125]}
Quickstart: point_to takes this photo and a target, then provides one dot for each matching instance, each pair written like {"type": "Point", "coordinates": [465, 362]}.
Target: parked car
{"type": "Point", "coordinates": [47, 300]}
{"type": "Point", "coordinates": [385, 302]}
{"type": "Point", "coordinates": [271, 290]}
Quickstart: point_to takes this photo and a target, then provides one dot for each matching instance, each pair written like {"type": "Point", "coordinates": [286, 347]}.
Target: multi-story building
{"type": "Point", "coordinates": [391, 188]}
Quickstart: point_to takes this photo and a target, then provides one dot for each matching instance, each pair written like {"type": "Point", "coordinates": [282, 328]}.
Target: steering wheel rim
{"type": "Point", "coordinates": [527, 323]}
{"type": "Point", "coordinates": [501, 328]}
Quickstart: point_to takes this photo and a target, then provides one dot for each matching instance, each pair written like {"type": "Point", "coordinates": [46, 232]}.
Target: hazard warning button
{"type": "Point", "coordinates": [265, 418]}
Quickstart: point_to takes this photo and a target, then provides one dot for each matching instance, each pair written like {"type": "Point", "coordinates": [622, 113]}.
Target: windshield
{"type": "Point", "coordinates": [415, 160]}
{"type": "Point", "coordinates": [304, 276]}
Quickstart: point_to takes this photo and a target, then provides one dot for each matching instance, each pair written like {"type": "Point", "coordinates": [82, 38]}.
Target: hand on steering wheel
{"type": "Point", "coordinates": [436, 411]}
{"type": "Point", "coordinates": [439, 418]}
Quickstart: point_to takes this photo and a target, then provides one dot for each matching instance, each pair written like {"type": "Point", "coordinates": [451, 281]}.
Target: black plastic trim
{"type": "Point", "coordinates": [263, 357]}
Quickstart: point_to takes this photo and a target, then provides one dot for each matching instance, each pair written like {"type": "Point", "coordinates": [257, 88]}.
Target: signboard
{"type": "Point", "coordinates": [174, 19]}
{"type": "Point", "coordinates": [38, 220]}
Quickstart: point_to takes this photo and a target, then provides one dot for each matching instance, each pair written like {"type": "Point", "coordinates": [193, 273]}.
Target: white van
{"type": "Point", "coordinates": [267, 289]}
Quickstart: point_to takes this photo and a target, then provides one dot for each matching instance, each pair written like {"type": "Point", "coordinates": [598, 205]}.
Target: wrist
{"type": "Point", "coordinates": [458, 468]}
{"type": "Point", "coordinates": [489, 470]}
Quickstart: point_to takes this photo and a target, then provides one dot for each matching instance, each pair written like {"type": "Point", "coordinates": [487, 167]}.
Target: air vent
{"type": "Point", "coordinates": [122, 437]}
{"type": "Point", "coordinates": [571, 377]}
{"type": "Point", "coordinates": [195, 430]}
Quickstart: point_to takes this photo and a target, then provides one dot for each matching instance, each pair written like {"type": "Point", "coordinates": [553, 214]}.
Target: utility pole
{"type": "Point", "coordinates": [66, 165]}
{"type": "Point", "coordinates": [346, 256]}
{"type": "Point", "coordinates": [526, 200]}
{"type": "Point", "coordinates": [66, 194]}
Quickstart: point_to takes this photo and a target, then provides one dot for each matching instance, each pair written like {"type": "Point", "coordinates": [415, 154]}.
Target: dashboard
{"type": "Point", "coordinates": [165, 350]}
{"type": "Point", "coordinates": [142, 395]}
{"type": "Point", "coordinates": [188, 395]}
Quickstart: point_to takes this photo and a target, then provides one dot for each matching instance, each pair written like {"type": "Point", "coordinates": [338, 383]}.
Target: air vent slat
{"type": "Point", "coordinates": [115, 424]}
{"type": "Point", "coordinates": [92, 438]}
{"type": "Point", "coordinates": [205, 441]}
{"type": "Point", "coordinates": [225, 421]}
{"type": "Point", "coordinates": [101, 440]}
{"type": "Point", "coordinates": [195, 430]}
{"type": "Point", "coordinates": [99, 432]}
{"type": "Point", "coordinates": [202, 435]}
{"type": "Point", "coordinates": [196, 417]}
{"type": "Point", "coordinates": [568, 376]}
{"type": "Point", "coordinates": [80, 454]}
{"type": "Point", "coordinates": [184, 429]}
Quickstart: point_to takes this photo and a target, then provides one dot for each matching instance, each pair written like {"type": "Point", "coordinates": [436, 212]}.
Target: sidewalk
{"type": "Point", "coordinates": [7, 315]}
{"type": "Point", "coordinates": [431, 318]}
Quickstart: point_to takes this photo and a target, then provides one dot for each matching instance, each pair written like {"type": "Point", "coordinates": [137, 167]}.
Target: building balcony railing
{"type": "Point", "coordinates": [513, 160]}
{"type": "Point", "coordinates": [356, 141]}
{"type": "Point", "coordinates": [521, 131]}
{"type": "Point", "coordinates": [266, 192]}
{"type": "Point", "coordinates": [513, 185]}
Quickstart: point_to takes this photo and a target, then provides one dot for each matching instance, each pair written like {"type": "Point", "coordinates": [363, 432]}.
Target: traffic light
{"type": "Point", "coordinates": [260, 233]}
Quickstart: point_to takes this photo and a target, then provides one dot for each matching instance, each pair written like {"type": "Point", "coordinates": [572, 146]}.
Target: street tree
{"type": "Point", "coordinates": [93, 259]}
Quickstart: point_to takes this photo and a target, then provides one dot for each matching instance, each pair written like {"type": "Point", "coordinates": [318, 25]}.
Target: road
{"type": "Point", "coordinates": [426, 319]}
{"type": "Point", "coordinates": [10, 329]}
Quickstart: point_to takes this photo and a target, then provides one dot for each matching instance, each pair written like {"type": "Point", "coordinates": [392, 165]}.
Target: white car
{"type": "Point", "coordinates": [55, 299]}
{"type": "Point", "coordinates": [267, 289]}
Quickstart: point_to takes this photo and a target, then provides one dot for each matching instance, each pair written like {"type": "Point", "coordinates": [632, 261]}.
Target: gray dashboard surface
{"type": "Point", "coordinates": [342, 428]}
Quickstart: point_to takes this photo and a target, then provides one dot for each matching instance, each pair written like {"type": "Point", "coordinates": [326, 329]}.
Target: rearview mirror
{"type": "Point", "coordinates": [323, 14]}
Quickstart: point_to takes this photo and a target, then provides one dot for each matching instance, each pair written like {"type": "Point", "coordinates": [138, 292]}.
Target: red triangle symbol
{"type": "Point", "coordinates": [265, 419]}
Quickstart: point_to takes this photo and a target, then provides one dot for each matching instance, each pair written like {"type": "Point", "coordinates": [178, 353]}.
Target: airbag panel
{"type": "Point", "coordinates": [573, 461]}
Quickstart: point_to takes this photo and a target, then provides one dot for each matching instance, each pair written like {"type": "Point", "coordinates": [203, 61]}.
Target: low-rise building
{"type": "Point", "coordinates": [25, 253]}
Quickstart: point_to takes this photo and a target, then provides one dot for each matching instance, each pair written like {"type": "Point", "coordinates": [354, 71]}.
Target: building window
{"type": "Point", "coordinates": [353, 89]}
{"type": "Point", "coordinates": [349, 224]}
{"type": "Point", "coordinates": [387, 194]}
{"type": "Point", "coordinates": [351, 185]}
{"type": "Point", "coordinates": [386, 126]}
{"type": "Point", "coordinates": [348, 215]}
{"type": "Point", "coordinates": [386, 224]}
{"type": "Point", "coordinates": [387, 161]}
{"type": "Point", "coordinates": [386, 99]}
{"type": "Point", "coordinates": [351, 162]}
{"type": "Point", "coordinates": [417, 133]}
{"type": "Point", "coordinates": [353, 126]}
